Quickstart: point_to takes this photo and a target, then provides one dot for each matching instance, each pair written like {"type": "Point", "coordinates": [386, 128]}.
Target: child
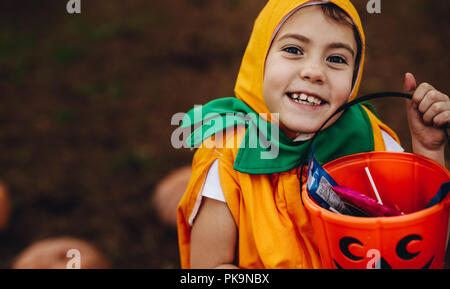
{"type": "Point", "coordinates": [303, 61]}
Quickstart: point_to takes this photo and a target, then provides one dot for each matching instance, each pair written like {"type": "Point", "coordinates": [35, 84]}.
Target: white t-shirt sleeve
{"type": "Point", "coordinates": [390, 143]}
{"type": "Point", "coordinates": [212, 188]}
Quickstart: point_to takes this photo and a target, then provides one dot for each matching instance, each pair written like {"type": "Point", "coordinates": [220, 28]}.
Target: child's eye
{"type": "Point", "coordinates": [293, 50]}
{"type": "Point", "coordinates": [337, 59]}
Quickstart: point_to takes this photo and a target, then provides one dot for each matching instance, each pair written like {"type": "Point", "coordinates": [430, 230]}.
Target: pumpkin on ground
{"type": "Point", "coordinates": [61, 253]}
{"type": "Point", "coordinates": [168, 193]}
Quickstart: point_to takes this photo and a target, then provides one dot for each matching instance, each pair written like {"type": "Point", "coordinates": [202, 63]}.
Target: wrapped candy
{"type": "Point", "coordinates": [365, 203]}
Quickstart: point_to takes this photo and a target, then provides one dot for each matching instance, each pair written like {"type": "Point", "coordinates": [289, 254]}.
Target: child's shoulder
{"type": "Point", "coordinates": [223, 145]}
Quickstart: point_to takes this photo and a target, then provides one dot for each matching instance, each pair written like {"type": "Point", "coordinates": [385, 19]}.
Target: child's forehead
{"type": "Point", "coordinates": [306, 11]}
{"type": "Point", "coordinates": [311, 20]}
{"type": "Point", "coordinates": [312, 13]}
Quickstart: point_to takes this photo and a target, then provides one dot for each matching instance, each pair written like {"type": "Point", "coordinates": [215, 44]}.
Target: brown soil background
{"type": "Point", "coordinates": [86, 103]}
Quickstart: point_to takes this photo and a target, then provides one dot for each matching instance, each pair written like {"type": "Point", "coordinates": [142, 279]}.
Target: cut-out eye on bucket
{"type": "Point", "coordinates": [404, 244]}
{"type": "Point", "coordinates": [350, 246]}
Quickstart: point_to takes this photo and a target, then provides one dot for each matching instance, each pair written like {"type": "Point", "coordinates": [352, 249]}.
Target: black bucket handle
{"type": "Point", "coordinates": [346, 106]}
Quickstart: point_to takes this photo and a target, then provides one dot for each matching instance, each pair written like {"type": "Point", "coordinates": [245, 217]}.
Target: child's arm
{"type": "Point", "coordinates": [213, 236]}
{"type": "Point", "coordinates": [428, 112]}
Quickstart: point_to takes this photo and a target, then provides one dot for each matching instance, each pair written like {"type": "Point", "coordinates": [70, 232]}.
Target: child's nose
{"type": "Point", "coordinates": [313, 73]}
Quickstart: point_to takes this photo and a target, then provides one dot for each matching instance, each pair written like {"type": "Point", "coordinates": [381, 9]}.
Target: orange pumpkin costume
{"type": "Point", "coordinates": [274, 229]}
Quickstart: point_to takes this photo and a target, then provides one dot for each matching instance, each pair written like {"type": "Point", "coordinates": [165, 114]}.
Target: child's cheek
{"type": "Point", "coordinates": [341, 86]}
{"type": "Point", "coordinates": [275, 80]}
{"type": "Point", "coordinates": [274, 76]}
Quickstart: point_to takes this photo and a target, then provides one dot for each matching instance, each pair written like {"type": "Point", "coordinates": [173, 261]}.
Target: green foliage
{"type": "Point", "coordinates": [65, 115]}
{"type": "Point", "coordinates": [66, 54]}
{"type": "Point", "coordinates": [129, 161]}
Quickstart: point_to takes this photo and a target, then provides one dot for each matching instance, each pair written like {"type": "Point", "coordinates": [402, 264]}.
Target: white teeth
{"type": "Point", "coordinates": [305, 99]}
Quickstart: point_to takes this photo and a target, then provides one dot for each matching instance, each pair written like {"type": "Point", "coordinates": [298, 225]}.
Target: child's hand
{"type": "Point", "coordinates": [428, 113]}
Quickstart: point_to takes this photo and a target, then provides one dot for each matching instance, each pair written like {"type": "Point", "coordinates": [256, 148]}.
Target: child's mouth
{"type": "Point", "coordinates": [303, 98]}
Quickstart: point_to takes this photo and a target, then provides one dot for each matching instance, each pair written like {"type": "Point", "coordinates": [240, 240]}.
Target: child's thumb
{"type": "Point", "coordinates": [412, 113]}
{"type": "Point", "coordinates": [410, 84]}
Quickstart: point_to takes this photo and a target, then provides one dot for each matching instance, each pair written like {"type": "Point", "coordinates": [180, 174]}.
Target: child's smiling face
{"type": "Point", "coordinates": [309, 69]}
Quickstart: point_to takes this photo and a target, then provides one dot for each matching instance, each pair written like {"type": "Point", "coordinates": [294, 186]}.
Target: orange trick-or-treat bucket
{"type": "Point", "coordinates": [404, 181]}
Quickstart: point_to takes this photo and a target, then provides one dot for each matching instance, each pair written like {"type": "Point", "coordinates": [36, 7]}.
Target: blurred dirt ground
{"type": "Point", "coordinates": [86, 103]}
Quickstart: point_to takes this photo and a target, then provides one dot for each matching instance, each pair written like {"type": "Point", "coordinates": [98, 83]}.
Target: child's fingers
{"type": "Point", "coordinates": [438, 114]}
{"type": "Point", "coordinates": [442, 119]}
{"type": "Point", "coordinates": [420, 93]}
{"type": "Point", "coordinates": [430, 98]}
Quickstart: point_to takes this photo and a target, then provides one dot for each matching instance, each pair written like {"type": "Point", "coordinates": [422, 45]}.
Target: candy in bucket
{"type": "Point", "coordinates": [342, 200]}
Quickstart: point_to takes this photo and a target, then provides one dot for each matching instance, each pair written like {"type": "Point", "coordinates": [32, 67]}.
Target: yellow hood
{"type": "Point", "coordinates": [249, 83]}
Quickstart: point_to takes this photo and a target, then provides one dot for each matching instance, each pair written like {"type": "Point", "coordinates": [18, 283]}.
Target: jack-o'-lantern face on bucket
{"type": "Point", "coordinates": [411, 251]}
{"type": "Point", "coordinates": [415, 240]}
